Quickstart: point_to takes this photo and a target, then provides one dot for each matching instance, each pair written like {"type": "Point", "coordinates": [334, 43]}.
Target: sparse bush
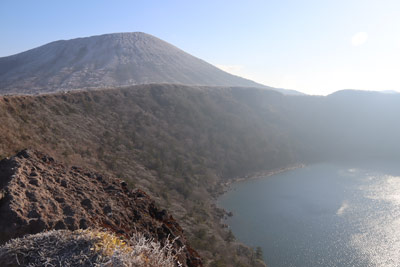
{"type": "Point", "coordinates": [229, 237]}
{"type": "Point", "coordinates": [87, 248]}
{"type": "Point", "coordinates": [259, 253]}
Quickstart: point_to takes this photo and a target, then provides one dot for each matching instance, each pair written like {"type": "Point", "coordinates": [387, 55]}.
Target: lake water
{"type": "Point", "coordinates": [321, 215]}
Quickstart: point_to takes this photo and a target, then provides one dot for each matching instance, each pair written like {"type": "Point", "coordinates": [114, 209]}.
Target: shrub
{"type": "Point", "coordinates": [86, 248]}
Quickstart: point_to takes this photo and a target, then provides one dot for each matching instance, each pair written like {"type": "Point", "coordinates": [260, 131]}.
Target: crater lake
{"type": "Point", "coordinates": [330, 214]}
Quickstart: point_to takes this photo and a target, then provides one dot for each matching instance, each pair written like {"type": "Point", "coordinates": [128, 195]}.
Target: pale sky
{"type": "Point", "coordinates": [316, 47]}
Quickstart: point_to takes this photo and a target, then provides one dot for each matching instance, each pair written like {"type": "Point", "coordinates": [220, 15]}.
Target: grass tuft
{"type": "Point", "coordinates": [87, 248]}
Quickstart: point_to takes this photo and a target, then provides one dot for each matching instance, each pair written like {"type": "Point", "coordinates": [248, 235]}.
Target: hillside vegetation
{"type": "Point", "coordinates": [175, 142]}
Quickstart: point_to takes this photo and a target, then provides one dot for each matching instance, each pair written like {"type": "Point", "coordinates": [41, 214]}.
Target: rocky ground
{"type": "Point", "coordinates": [37, 194]}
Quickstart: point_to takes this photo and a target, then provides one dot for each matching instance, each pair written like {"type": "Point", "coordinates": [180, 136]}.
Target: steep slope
{"type": "Point", "coordinates": [108, 60]}
{"type": "Point", "coordinates": [41, 194]}
{"type": "Point", "coordinates": [178, 143]}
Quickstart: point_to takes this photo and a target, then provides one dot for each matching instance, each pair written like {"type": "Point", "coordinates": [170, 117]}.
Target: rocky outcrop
{"type": "Point", "coordinates": [38, 194]}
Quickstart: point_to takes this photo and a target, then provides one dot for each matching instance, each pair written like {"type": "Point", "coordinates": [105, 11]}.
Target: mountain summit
{"type": "Point", "coordinates": [109, 60]}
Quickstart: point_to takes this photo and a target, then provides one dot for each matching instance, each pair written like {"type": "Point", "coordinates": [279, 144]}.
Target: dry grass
{"type": "Point", "coordinates": [86, 248]}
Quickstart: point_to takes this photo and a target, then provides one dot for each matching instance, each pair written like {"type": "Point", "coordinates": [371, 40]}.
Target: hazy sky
{"type": "Point", "coordinates": [315, 47]}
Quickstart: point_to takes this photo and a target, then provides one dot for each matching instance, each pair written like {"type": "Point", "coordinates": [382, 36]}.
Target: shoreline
{"type": "Point", "coordinates": [227, 186]}
{"type": "Point", "coordinates": [257, 175]}
{"type": "Point", "coordinates": [224, 214]}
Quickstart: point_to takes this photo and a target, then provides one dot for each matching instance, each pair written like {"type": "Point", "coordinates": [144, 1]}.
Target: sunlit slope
{"type": "Point", "coordinates": [109, 60]}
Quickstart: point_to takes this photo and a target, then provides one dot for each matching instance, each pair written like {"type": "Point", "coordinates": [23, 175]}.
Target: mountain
{"type": "Point", "coordinates": [180, 143]}
{"type": "Point", "coordinates": [361, 92]}
{"type": "Point", "coordinates": [346, 125]}
{"type": "Point", "coordinates": [287, 91]}
{"type": "Point", "coordinates": [390, 92]}
{"type": "Point", "coordinates": [109, 60]}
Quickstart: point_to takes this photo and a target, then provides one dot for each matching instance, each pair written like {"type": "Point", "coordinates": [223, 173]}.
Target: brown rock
{"type": "Point", "coordinates": [87, 203]}
{"type": "Point", "coordinates": [49, 202]}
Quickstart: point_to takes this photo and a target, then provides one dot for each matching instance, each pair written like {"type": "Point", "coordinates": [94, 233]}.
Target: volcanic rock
{"type": "Point", "coordinates": [73, 198]}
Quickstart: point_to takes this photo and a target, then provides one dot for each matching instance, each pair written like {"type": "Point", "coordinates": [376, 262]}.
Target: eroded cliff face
{"type": "Point", "coordinates": [39, 194]}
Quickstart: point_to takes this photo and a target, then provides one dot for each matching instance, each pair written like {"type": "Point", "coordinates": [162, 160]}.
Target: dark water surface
{"type": "Point", "coordinates": [321, 215]}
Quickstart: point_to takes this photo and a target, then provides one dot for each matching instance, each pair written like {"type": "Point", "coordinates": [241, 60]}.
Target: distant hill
{"type": "Point", "coordinates": [287, 91]}
{"type": "Point", "coordinates": [346, 125]}
{"type": "Point", "coordinates": [109, 60]}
